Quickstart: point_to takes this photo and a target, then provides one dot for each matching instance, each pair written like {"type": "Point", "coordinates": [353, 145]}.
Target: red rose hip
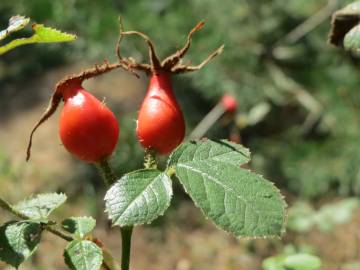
{"type": "Point", "coordinates": [160, 124]}
{"type": "Point", "coordinates": [87, 128]}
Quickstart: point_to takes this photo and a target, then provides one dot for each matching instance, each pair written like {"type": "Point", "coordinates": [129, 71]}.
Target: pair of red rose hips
{"type": "Point", "coordinates": [90, 131]}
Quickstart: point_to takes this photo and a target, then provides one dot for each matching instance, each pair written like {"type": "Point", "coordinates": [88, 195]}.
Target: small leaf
{"type": "Point", "coordinates": [237, 200]}
{"type": "Point", "coordinates": [83, 255]}
{"type": "Point", "coordinates": [138, 197]}
{"type": "Point", "coordinates": [42, 35]}
{"type": "Point", "coordinates": [40, 206]}
{"type": "Point", "coordinates": [224, 151]}
{"type": "Point", "coordinates": [16, 23]}
{"type": "Point", "coordinates": [273, 263]}
{"type": "Point", "coordinates": [79, 226]}
{"type": "Point", "coordinates": [302, 261]}
{"type": "Point", "coordinates": [352, 39]}
{"type": "Point", "coordinates": [18, 241]}
{"type": "Point", "coordinates": [48, 34]}
{"type": "Point", "coordinates": [301, 217]}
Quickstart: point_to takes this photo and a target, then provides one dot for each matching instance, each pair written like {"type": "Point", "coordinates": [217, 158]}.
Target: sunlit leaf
{"type": "Point", "coordinates": [42, 35]}
{"type": "Point", "coordinates": [235, 199]}
{"type": "Point", "coordinates": [138, 197]}
{"type": "Point", "coordinates": [18, 241]}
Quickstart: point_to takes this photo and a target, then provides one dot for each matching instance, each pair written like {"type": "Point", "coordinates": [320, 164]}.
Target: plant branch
{"type": "Point", "coordinates": [109, 177]}
{"type": "Point", "coordinates": [310, 24]}
{"type": "Point", "coordinates": [106, 172]}
{"type": "Point", "coordinates": [6, 206]}
{"type": "Point", "coordinates": [48, 227]}
{"type": "Point", "coordinates": [59, 233]}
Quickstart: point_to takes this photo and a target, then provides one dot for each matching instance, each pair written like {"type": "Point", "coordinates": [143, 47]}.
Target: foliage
{"type": "Point", "coordinates": [313, 149]}
{"type": "Point", "coordinates": [302, 217]}
{"type": "Point", "coordinates": [291, 259]}
{"type": "Point", "coordinates": [41, 34]}
{"type": "Point", "coordinates": [20, 239]}
{"type": "Point", "coordinates": [238, 201]}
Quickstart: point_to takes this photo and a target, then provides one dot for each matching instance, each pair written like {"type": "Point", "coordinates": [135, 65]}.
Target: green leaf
{"type": "Point", "coordinates": [325, 218]}
{"type": "Point", "coordinates": [40, 206]}
{"type": "Point", "coordinates": [235, 199]}
{"type": "Point", "coordinates": [302, 261]}
{"type": "Point", "coordinates": [18, 241]}
{"type": "Point", "coordinates": [42, 35]}
{"type": "Point", "coordinates": [273, 263]}
{"type": "Point", "coordinates": [138, 197]}
{"type": "Point", "coordinates": [48, 35]}
{"type": "Point", "coordinates": [79, 226]}
{"type": "Point", "coordinates": [83, 255]}
{"type": "Point", "coordinates": [224, 152]}
{"type": "Point", "coordinates": [352, 39]}
{"type": "Point", "coordinates": [16, 23]}
{"type": "Point", "coordinates": [301, 217]}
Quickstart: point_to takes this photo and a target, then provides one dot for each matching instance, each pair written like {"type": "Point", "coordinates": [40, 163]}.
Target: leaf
{"type": "Point", "coordinates": [49, 35]}
{"type": "Point", "coordinates": [18, 241]}
{"type": "Point", "coordinates": [299, 261]}
{"type": "Point", "coordinates": [237, 200]}
{"type": "Point", "coordinates": [325, 218]}
{"type": "Point", "coordinates": [273, 263]}
{"type": "Point", "coordinates": [301, 217]}
{"type": "Point", "coordinates": [343, 21]}
{"type": "Point", "coordinates": [40, 206]}
{"type": "Point", "coordinates": [16, 23]}
{"type": "Point", "coordinates": [352, 39]}
{"type": "Point", "coordinates": [79, 226]}
{"type": "Point", "coordinates": [224, 152]}
{"type": "Point", "coordinates": [83, 255]}
{"type": "Point", "coordinates": [138, 197]}
{"type": "Point", "coordinates": [42, 35]}
{"type": "Point", "coordinates": [302, 261]}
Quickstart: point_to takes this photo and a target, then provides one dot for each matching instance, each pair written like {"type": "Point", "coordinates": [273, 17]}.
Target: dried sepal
{"type": "Point", "coordinates": [180, 68]}
{"type": "Point", "coordinates": [175, 58]}
{"type": "Point", "coordinates": [172, 63]}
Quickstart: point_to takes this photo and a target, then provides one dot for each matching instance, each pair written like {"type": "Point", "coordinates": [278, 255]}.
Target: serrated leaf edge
{"type": "Point", "coordinates": [82, 240]}
{"type": "Point", "coordinates": [81, 217]}
{"type": "Point", "coordinates": [34, 196]}
{"type": "Point", "coordinates": [284, 204]}
{"type": "Point", "coordinates": [171, 193]}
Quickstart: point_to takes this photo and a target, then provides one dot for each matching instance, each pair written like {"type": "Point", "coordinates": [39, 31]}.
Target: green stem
{"type": "Point", "coordinates": [109, 178]}
{"type": "Point", "coordinates": [59, 234]}
{"type": "Point", "coordinates": [106, 172]}
{"type": "Point", "coordinates": [6, 206]}
{"type": "Point", "coordinates": [126, 233]}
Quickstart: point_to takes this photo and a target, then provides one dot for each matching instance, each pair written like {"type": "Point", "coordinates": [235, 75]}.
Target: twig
{"type": "Point", "coordinates": [310, 24]}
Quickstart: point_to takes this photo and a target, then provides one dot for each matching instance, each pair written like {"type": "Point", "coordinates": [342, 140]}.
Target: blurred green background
{"type": "Point", "coordinates": [298, 112]}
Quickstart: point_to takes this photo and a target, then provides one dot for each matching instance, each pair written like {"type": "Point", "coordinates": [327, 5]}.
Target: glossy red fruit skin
{"type": "Point", "coordinates": [160, 124]}
{"type": "Point", "coordinates": [87, 128]}
{"type": "Point", "coordinates": [229, 103]}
